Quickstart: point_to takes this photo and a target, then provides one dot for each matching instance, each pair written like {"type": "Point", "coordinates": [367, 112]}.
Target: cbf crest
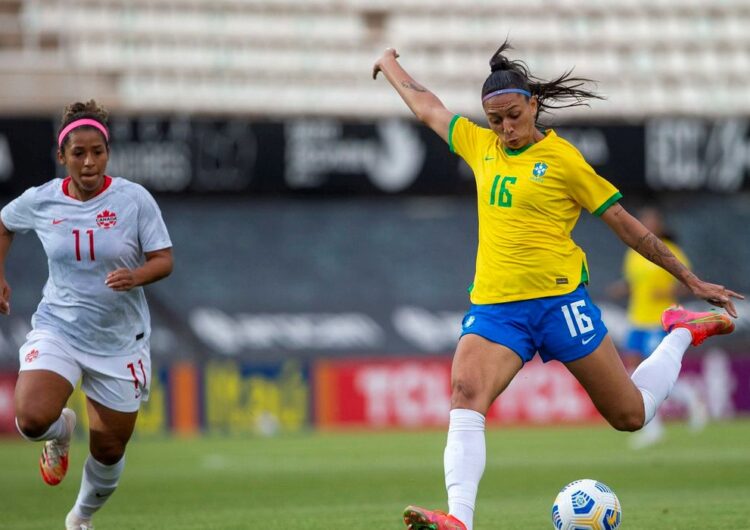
{"type": "Point", "coordinates": [537, 174]}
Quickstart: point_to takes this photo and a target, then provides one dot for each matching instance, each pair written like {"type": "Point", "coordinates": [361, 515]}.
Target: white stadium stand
{"type": "Point", "coordinates": [313, 57]}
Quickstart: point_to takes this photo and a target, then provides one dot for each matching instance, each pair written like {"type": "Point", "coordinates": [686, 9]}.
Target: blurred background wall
{"type": "Point", "coordinates": [323, 238]}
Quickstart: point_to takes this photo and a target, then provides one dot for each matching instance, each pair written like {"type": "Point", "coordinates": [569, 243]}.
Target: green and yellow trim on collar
{"type": "Point", "coordinates": [516, 152]}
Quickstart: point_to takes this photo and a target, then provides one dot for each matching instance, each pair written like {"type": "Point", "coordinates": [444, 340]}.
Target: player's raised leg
{"type": "Point", "coordinates": [110, 431]}
{"type": "Point", "coordinates": [40, 396]}
{"type": "Point", "coordinates": [630, 403]}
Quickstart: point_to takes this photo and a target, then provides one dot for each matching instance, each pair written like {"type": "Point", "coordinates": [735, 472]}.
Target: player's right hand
{"type": "Point", "coordinates": [389, 53]}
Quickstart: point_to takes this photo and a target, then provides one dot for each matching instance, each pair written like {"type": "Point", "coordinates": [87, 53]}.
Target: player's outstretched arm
{"type": "Point", "coordinates": [424, 104]}
{"type": "Point", "coordinates": [639, 238]}
{"type": "Point", "coordinates": [6, 238]}
{"type": "Point", "coordinates": [158, 265]}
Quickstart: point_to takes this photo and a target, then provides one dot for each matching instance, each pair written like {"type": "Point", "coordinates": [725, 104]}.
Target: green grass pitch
{"type": "Point", "coordinates": [363, 480]}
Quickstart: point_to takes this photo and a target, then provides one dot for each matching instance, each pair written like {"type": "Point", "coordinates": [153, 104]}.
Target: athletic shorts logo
{"type": "Point", "coordinates": [587, 340]}
{"type": "Point", "coordinates": [469, 321]}
{"type": "Point", "coordinates": [33, 354]}
{"type": "Point", "coordinates": [106, 219]}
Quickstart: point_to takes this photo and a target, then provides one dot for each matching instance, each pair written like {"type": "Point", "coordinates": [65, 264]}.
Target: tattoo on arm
{"type": "Point", "coordinates": [653, 249]}
{"type": "Point", "coordinates": [413, 85]}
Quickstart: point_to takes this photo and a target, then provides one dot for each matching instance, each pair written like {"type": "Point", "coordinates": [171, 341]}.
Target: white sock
{"type": "Point", "coordinates": [464, 459]}
{"type": "Point", "coordinates": [57, 431]}
{"type": "Point", "coordinates": [99, 481]}
{"type": "Point", "coordinates": [656, 375]}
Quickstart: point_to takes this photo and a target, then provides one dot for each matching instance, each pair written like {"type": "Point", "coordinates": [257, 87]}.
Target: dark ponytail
{"type": "Point", "coordinates": [560, 93]}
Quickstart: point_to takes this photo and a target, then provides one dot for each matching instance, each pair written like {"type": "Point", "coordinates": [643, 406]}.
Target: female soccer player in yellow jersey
{"type": "Point", "coordinates": [529, 290]}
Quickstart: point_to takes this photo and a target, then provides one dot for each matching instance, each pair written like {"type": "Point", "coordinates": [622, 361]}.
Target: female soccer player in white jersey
{"type": "Point", "coordinates": [529, 290]}
{"type": "Point", "coordinates": [104, 238]}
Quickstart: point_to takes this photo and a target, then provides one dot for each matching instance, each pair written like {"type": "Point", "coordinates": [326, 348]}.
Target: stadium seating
{"type": "Point", "coordinates": [288, 57]}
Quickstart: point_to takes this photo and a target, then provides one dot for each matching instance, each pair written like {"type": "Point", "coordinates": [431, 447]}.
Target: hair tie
{"type": "Point", "coordinates": [506, 91]}
{"type": "Point", "coordinates": [81, 123]}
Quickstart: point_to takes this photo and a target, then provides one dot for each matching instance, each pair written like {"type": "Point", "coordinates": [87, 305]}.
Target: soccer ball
{"type": "Point", "coordinates": [586, 505]}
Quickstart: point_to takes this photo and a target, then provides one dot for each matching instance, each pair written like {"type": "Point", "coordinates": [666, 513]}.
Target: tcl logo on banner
{"type": "Point", "coordinates": [416, 393]}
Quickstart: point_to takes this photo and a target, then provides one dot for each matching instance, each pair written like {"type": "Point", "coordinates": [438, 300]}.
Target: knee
{"type": "Point", "coordinates": [464, 393]}
{"type": "Point", "coordinates": [108, 455]}
{"type": "Point", "coordinates": [107, 450]}
{"type": "Point", "coordinates": [33, 424]}
{"type": "Point", "coordinates": [628, 421]}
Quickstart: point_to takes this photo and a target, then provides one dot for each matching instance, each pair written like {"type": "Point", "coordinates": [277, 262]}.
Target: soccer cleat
{"type": "Point", "coordinates": [53, 464]}
{"type": "Point", "coordinates": [701, 325]}
{"type": "Point", "coordinates": [417, 518]}
{"type": "Point", "coordinates": [73, 522]}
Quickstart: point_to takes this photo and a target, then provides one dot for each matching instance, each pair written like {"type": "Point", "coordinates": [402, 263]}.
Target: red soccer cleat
{"type": "Point", "coordinates": [53, 464]}
{"type": "Point", "coordinates": [701, 325]}
{"type": "Point", "coordinates": [417, 518]}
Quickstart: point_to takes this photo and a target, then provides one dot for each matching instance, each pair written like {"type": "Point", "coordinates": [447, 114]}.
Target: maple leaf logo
{"type": "Point", "coordinates": [33, 354]}
{"type": "Point", "coordinates": [106, 219]}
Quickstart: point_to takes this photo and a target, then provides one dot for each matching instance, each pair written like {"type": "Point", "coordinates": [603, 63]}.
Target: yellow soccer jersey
{"type": "Point", "coordinates": [528, 203]}
{"type": "Point", "coordinates": [651, 287]}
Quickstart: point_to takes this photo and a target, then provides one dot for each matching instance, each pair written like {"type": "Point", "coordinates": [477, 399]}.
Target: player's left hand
{"type": "Point", "coordinates": [717, 295]}
{"type": "Point", "coordinates": [121, 280]}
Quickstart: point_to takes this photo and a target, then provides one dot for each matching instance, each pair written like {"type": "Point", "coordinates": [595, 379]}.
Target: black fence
{"type": "Point", "coordinates": [333, 157]}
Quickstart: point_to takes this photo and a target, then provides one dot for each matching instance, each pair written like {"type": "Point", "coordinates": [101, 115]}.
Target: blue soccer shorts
{"type": "Point", "coordinates": [564, 328]}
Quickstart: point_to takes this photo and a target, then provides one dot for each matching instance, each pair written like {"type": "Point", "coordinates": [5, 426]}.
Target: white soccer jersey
{"type": "Point", "coordinates": [84, 241]}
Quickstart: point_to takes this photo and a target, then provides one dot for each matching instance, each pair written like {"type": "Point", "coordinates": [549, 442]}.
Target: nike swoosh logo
{"type": "Point", "coordinates": [57, 221]}
{"type": "Point", "coordinates": [487, 158]}
{"type": "Point", "coordinates": [99, 495]}
{"type": "Point", "coordinates": [586, 341]}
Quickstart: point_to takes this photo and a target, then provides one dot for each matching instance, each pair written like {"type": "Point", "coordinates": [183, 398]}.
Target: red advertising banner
{"type": "Point", "coordinates": [416, 393]}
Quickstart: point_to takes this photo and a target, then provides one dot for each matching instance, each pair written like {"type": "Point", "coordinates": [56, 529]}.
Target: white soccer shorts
{"type": "Point", "coordinates": [118, 382]}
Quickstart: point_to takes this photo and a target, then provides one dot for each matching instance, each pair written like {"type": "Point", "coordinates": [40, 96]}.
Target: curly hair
{"type": "Point", "coordinates": [562, 92]}
{"type": "Point", "coordinates": [79, 110]}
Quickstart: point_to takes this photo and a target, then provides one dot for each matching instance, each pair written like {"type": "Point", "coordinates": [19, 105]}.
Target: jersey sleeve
{"type": "Point", "coordinates": [463, 136]}
{"type": "Point", "coordinates": [152, 231]}
{"type": "Point", "coordinates": [587, 188]}
{"type": "Point", "coordinates": [18, 215]}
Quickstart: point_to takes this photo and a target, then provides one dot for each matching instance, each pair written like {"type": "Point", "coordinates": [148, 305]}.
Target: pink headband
{"type": "Point", "coordinates": [81, 123]}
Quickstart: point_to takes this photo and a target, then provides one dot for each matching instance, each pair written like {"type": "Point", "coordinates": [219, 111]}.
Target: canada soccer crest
{"type": "Point", "coordinates": [106, 219]}
{"type": "Point", "coordinates": [33, 354]}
